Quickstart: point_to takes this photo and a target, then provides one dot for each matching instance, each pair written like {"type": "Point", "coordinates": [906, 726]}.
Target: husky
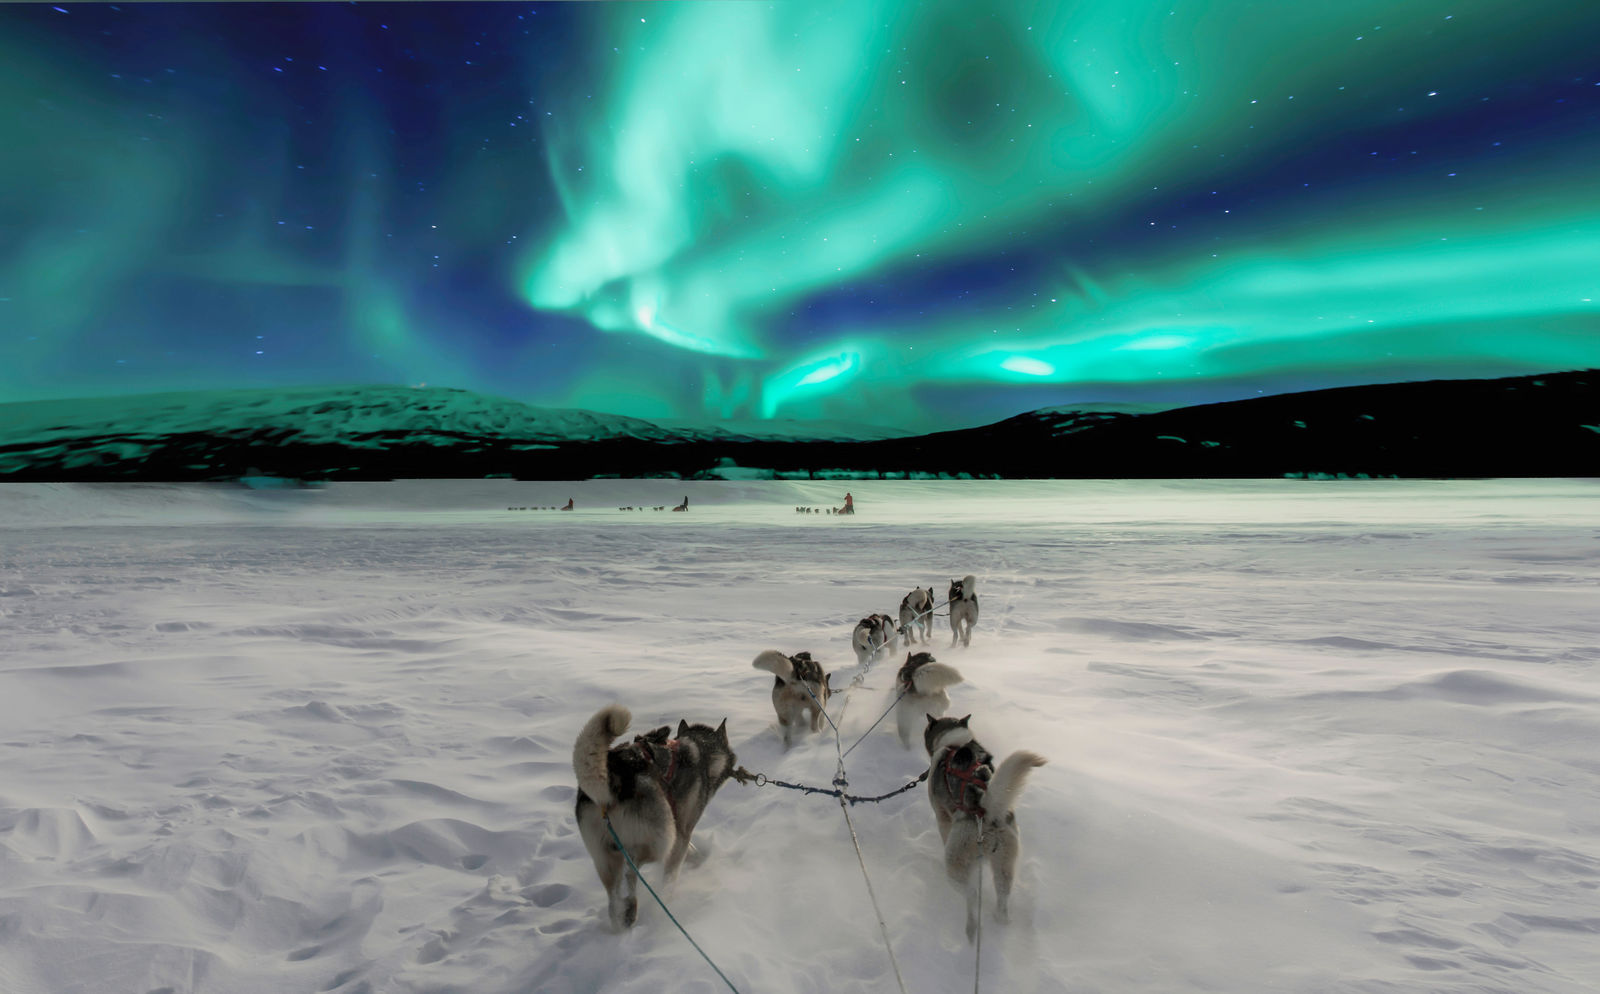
{"type": "Point", "coordinates": [963, 609]}
{"type": "Point", "coordinates": [800, 690]}
{"type": "Point", "coordinates": [972, 802]}
{"type": "Point", "coordinates": [871, 634]}
{"type": "Point", "coordinates": [916, 611]}
{"type": "Point", "coordinates": [923, 680]}
{"type": "Point", "coordinates": [654, 789]}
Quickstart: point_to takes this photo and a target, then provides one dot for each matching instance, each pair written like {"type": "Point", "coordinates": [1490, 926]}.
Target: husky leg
{"type": "Point", "coordinates": [963, 862]}
{"type": "Point", "coordinates": [783, 726]}
{"type": "Point", "coordinates": [1007, 847]}
{"type": "Point", "coordinates": [629, 903]}
{"type": "Point", "coordinates": [608, 865]}
{"type": "Point", "coordinates": [611, 876]}
{"type": "Point", "coordinates": [905, 722]}
{"type": "Point", "coordinates": [676, 852]}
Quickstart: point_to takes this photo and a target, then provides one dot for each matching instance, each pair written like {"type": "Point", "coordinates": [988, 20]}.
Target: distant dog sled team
{"type": "Point", "coordinates": [848, 508]}
{"type": "Point", "coordinates": [652, 791]}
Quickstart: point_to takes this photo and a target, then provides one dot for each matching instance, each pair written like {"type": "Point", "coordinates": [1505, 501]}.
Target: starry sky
{"type": "Point", "coordinates": [923, 215]}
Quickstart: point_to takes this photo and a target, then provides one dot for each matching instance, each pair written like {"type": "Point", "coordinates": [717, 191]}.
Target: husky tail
{"type": "Point", "coordinates": [776, 663]}
{"type": "Point", "coordinates": [969, 587]}
{"type": "Point", "coordinates": [930, 678]}
{"type": "Point", "coordinates": [589, 752]}
{"type": "Point", "coordinates": [1007, 782]}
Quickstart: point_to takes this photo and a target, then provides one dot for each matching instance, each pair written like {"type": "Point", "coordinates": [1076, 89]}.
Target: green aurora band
{"type": "Point", "coordinates": [738, 158]}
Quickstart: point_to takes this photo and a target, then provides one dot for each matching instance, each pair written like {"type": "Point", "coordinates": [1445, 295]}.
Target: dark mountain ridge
{"type": "Point", "coordinates": [1547, 425]}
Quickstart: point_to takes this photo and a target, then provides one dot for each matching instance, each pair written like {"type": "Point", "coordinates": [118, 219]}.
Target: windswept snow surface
{"type": "Point", "coordinates": [1325, 737]}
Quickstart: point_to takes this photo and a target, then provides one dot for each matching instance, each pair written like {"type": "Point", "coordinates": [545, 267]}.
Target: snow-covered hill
{"type": "Point", "coordinates": [340, 414]}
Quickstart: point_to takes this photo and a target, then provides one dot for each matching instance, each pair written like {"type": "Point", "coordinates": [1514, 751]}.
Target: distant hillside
{"type": "Point", "coordinates": [1520, 426]}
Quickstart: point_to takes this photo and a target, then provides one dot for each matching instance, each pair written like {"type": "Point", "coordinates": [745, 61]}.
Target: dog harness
{"type": "Point", "coordinates": [959, 779]}
{"type": "Point", "coordinates": [665, 779]}
{"type": "Point", "coordinates": [806, 669]}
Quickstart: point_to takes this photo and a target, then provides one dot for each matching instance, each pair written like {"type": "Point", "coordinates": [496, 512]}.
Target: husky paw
{"type": "Point", "coordinates": [630, 912]}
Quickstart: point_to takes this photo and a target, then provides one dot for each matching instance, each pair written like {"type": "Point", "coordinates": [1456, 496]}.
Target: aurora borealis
{"type": "Point", "coordinates": [919, 214]}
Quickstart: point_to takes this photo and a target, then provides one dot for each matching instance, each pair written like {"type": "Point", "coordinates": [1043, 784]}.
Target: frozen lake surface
{"type": "Point", "coordinates": [1303, 736]}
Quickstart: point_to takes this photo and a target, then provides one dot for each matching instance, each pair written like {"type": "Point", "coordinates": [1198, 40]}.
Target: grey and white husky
{"type": "Point", "coordinates": [916, 614]}
{"type": "Point", "coordinates": [963, 609]}
{"type": "Point", "coordinates": [799, 690]}
{"type": "Point", "coordinates": [871, 634]}
{"type": "Point", "coordinates": [972, 801]}
{"type": "Point", "coordinates": [654, 789]}
{"type": "Point", "coordinates": [923, 680]}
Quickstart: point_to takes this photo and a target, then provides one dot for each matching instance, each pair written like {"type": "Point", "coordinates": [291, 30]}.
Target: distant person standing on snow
{"type": "Point", "coordinates": [569, 505]}
{"type": "Point", "coordinates": [849, 504]}
{"type": "Point", "coordinates": [685, 505]}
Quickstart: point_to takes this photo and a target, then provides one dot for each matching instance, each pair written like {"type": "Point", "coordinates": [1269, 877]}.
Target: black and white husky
{"type": "Point", "coordinates": [963, 609]}
{"type": "Point", "coordinates": [972, 801]}
{"type": "Point", "coordinates": [871, 634]}
{"type": "Point", "coordinates": [923, 680]}
{"type": "Point", "coordinates": [799, 690]}
{"type": "Point", "coordinates": [654, 789]}
{"type": "Point", "coordinates": [916, 614]}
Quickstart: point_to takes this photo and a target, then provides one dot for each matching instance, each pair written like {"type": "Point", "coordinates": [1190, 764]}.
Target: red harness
{"type": "Point", "coordinates": [958, 779]}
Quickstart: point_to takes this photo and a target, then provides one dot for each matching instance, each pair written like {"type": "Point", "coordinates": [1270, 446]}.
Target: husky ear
{"type": "Point", "coordinates": [722, 731]}
{"type": "Point", "coordinates": [931, 718]}
{"type": "Point", "coordinates": [683, 728]}
{"type": "Point", "coordinates": [963, 721]}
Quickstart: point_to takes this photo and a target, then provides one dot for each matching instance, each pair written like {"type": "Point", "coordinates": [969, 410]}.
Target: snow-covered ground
{"type": "Point", "coordinates": [1302, 736]}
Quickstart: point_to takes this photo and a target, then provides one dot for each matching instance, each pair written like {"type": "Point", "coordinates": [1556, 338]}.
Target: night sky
{"type": "Point", "coordinates": [923, 215]}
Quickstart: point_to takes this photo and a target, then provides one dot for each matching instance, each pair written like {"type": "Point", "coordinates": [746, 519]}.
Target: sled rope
{"type": "Point", "coordinates": [762, 780]}
{"type": "Point", "coordinates": [875, 724]}
{"type": "Point", "coordinates": [977, 956]}
{"type": "Point", "coordinates": [882, 926]}
{"type": "Point", "coordinates": [841, 782]}
{"type": "Point", "coordinates": [640, 875]}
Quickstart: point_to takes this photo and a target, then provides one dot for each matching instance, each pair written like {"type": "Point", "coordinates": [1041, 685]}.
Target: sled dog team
{"type": "Point", "coordinates": [655, 788]}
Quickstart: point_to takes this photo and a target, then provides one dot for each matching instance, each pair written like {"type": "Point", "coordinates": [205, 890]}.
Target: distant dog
{"type": "Point", "coordinates": [871, 634]}
{"type": "Point", "coordinates": [923, 681]}
{"type": "Point", "coordinates": [800, 690]}
{"type": "Point", "coordinates": [963, 609]}
{"type": "Point", "coordinates": [972, 802]}
{"type": "Point", "coordinates": [655, 789]}
{"type": "Point", "coordinates": [916, 612]}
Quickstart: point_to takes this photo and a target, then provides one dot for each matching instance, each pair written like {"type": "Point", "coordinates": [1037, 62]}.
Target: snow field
{"type": "Point", "coordinates": [1302, 737]}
